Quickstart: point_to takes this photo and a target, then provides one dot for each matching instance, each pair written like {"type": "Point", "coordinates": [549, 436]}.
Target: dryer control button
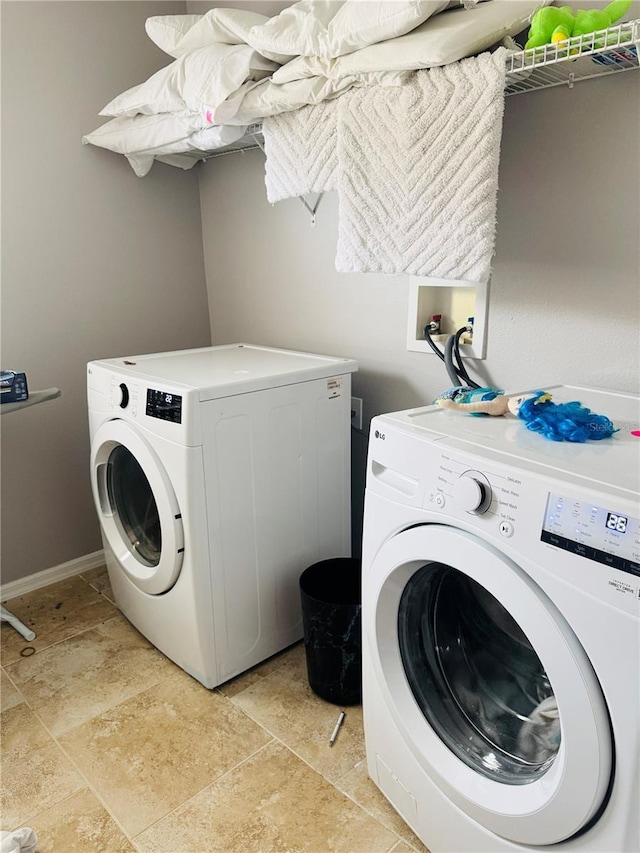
{"type": "Point", "coordinates": [506, 529]}
{"type": "Point", "coordinates": [124, 398]}
{"type": "Point", "coordinates": [440, 500]}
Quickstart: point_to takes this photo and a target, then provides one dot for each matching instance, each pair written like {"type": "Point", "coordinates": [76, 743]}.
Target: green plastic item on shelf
{"type": "Point", "coordinates": [554, 24]}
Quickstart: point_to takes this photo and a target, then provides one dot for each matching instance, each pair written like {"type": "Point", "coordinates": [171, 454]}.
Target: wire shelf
{"type": "Point", "coordinates": [252, 139]}
{"type": "Point", "coordinates": [564, 63]}
{"type": "Point", "coordinates": [581, 58]}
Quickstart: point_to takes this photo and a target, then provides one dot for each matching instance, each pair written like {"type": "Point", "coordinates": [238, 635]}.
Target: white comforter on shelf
{"type": "Point", "coordinates": [233, 67]}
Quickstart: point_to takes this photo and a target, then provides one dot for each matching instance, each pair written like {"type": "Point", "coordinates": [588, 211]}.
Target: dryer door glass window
{"type": "Point", "coordinates": [476, 677]}
{"type": "Point", "coordinates": [134, 505]}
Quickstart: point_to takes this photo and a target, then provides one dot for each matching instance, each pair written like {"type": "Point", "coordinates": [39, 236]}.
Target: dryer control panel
{"type": "Point", "coordinates": [164, 405]}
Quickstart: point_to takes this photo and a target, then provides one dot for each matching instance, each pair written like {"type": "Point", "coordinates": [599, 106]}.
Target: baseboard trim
{"type": "Point", "coordinates": [55, 573]}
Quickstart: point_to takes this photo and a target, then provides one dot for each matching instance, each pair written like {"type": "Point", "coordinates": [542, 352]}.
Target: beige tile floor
{"type": "Point", "coordinates": [108, 746]}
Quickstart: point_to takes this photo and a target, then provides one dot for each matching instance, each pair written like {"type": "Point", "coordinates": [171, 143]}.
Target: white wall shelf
{"type": "Point", "coordinates": [598, 54]}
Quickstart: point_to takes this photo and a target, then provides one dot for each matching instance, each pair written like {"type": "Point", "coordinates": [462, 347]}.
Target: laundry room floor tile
{"type": "Point", "coordinates": [36, 774]}
{"type": "Point", "coordinates": [292, 657]}
{"type": "Point", "coordinates": [357, 785]}
{"type": "Point", "coordinates": [288, 657]}
{"type": "Point", "coordinates": [109, 747]}
{"type": "Point", "coordinates": [55, 613]}
{"type": "Point", "coordinates": [286, 706]}
{"type": "Point", "coordinates": [98, 579]}
{"type": "Point", "coordinates": [79, 824]}
{"type": "Point", "coordinates": [10, 696]}
{"type": "Point", "coordinates": [89, 673]}
{"type": "Point", "coordinates": [151, 753]}
{"type": "Point", "coordinates": [271, 803]}
{"type": "Point", "coordinates": [403, 847]}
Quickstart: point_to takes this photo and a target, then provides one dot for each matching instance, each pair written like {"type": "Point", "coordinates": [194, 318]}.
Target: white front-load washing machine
{"type": "Point", "coordinates": [501, 629]}
{"type": "Point", "coordinates": [219, 474]}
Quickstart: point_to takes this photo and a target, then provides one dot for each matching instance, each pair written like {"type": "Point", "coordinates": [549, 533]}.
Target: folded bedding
{"type": "Point", "coordinates": [229, 68]}
{"type": "Point", "coordinates": [255, 101]}
{"type": "Point", "coordinates": [329, 28]}
{"type": "Point", "coordinates": [197, 82]}
{"type": "Point", "coordinates": [181, 34]}
{"type": "Point", "coordinates": [451, 36]}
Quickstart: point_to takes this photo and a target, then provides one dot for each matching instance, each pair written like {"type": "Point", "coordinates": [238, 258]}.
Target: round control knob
{"type": "Point", "coordinates": [124, 399]}
{"type": "Point", "coordinates": [472, 495]}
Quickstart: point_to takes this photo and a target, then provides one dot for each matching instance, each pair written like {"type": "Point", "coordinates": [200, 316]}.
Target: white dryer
{"type": "Point", "coordinates": [501, 629]}
{"type": "Point", "coordinates": [219, 474]}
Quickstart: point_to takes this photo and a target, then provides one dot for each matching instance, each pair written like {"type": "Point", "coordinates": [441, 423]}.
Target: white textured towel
{"type": "Point", "coordinates": [301, 150]}
{"type": "Point", "coordinates": [418, 172]}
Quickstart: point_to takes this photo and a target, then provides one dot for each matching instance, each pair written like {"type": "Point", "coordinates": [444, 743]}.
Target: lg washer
{"type": "Point", "coordinates": [219, 474]}
{"type": "Point", "coordinates": [501, 629]}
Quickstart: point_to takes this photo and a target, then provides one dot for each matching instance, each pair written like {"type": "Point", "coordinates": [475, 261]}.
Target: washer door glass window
{"type": "Point", "coordinates": [134, 505]}
{"type": "Point", "coordinates": [476, 677]}
{"type": "Point", "coordinates": [487, 683]}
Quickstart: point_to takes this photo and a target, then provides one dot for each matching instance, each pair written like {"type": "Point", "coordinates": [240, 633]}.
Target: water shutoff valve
{"type": "Point", "coordinates": [434, 324]}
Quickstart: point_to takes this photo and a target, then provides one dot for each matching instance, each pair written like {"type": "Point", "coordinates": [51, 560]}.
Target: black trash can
{"type": "Point", "coordinates": [331, 595]}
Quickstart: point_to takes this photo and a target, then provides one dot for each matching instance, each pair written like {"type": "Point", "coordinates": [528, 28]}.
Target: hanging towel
{"type": "Point", "coordinates": [301, 151]}
{"type": "Point", "coordinates": [418, 174]}
{"type": "Point", "coordinates": [22, 840]}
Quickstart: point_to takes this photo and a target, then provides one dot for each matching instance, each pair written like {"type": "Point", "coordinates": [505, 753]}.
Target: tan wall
{"type": "Point", "coordinates": [565, 295]}
{"type": "Point", "coordinates": [95, 262]}
{"type": "Point", "coordinates": [564, 304]}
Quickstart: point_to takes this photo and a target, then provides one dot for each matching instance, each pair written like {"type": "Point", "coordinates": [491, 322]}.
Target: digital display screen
{"type": "Point", "coordinates": [617, 522]}
{"type": "Point", "coordinates": [596, 533]}
{"type": "Point", "coordinates": [165, 406]}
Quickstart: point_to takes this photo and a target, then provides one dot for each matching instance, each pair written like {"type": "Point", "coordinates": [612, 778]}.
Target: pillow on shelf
{"type": "Point", "coordinates": [180, 34]}
{"type": "Point", "coordinates": [166, 31]}
{"type": "Point", "coordinates": [143, 139]}
{"type": "Point", "coordinates": [129, 134]}
{"type": "Point", "coordinates": [201, 78]}
{"type": "Point", "coordinates": [448, 37]}
{"type": "Point", "coordinates": [330, 28]}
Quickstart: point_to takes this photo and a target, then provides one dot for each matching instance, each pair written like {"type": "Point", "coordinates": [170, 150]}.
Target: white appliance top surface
{"type": "Point", "coordinates": [233, 368]}
{"type": "Point", "coordinates": [614, 461]}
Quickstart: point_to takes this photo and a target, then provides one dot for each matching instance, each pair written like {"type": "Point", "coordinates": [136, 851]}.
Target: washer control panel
{"type": "Point", "coordinates": [491, 494]}
{"type": "Point", "coordinates": [530, 515]}
{"type": "Point", "coordinates": [602, 534]}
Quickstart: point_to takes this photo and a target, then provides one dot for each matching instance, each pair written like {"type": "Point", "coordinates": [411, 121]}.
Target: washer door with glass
{"type": "Point", "coordinates": [488, 685]}
{"type": "Point", "coordinates": [137, 507]}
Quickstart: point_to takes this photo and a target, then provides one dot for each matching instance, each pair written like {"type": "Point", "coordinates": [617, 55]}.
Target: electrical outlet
{"type": "Point", "coordinates": [356, 412]}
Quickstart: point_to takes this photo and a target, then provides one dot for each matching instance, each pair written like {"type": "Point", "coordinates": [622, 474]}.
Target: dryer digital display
{"type": "Point", "coordinates": [165, 406]}
{"type": "Point", "coordinates": [594, 532]}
